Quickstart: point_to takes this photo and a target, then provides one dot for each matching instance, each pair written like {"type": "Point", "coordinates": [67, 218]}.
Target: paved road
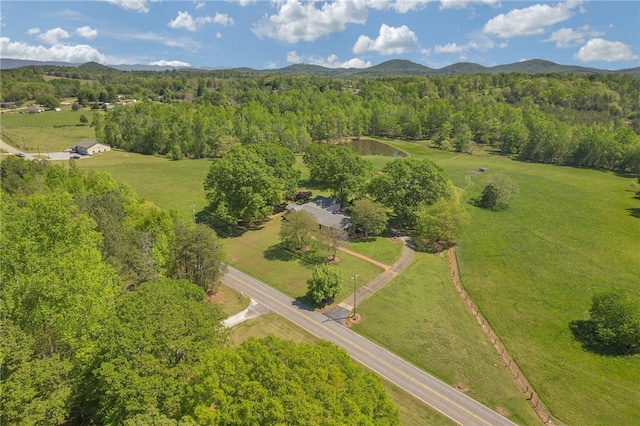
{"type": "Point", "coordinates": [442, 397]}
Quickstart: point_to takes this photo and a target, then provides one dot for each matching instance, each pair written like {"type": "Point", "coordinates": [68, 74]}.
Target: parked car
{"type": "Point", "coordinates": [21, 154]}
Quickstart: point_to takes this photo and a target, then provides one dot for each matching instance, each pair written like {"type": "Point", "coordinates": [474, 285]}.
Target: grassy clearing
{"type": "Point", "coordinates": [533, 268]}
{"type": "Point", "coordinates": [231, 300]}
{"type": "Point", "coordinates": [419, 316]}
{"type": "Point", "coordinates": [412, 411]}
{"type": "Point", "coordinates": [258, 253]}
{"type": "Point", "coordinates": [172, 185]}
{"type": "Point", "coordinates": [52, 130]}
{"type": "Point", "coordinates": [378, 248]}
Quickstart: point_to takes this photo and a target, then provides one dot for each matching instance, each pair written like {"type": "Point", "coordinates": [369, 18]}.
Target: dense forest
{"type": "Point", "coordinates": [585, 120]}
{"type": "Point", "coordinates": [105, 320]}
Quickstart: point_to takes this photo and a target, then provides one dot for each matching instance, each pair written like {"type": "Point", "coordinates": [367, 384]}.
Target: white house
{"type": "Point", "coordinates": [90, 147]}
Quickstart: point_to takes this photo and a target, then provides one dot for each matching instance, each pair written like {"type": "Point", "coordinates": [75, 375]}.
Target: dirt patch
{"type": "Point", "coordinates": [395, 239]}
{"type": "Point", "coordinates": [216, 297]}
{"type": "Point", "coordinates": [462, 388]}
{"type": "Point", "coordinates": [332, 260]}
{"type": "Point", "coordinates": [502, 410]}
{"type": "Point", "coordinates": [355, 319]}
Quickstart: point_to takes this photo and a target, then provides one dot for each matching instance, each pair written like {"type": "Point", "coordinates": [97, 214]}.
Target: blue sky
{"type": "Point", "coordinates": [340, 33]}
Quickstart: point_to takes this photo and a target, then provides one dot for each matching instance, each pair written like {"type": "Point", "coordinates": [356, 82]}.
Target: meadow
{"type": "Point", "coordinates": [532, 269]}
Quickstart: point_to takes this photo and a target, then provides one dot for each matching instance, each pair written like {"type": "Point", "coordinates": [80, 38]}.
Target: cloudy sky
{"type": "Point", "coordinates": [341, 33]}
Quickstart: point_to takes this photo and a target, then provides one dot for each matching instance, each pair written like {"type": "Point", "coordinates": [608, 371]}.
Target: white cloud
{"type": "Point", "coordinates": [141, 6]}
{"type": "Point", "coordinates": [87, 32]}
{"type": "Point", "coordinates": [222, 19]}
{"type": "Point", "coordinates": [270, 65]}
{"type": "Point", "coordinates": [199, 5]}
{"type": "Point", "coordinates": [461, 4]}
{"type": "Point", "coordinates": [54, 35]}
{"type": "Point", "coordinates": [62, 53]}
{"type": "Point", "coordinates": [186, 21]}
{"type": "Point", "coordinates": [296, 20]}
{"type": "Point", "coordinates": [567, 37]}
{"type": "Point", "coordinates": [330, 61]}
{"type": "Point", "coordinates": [293, 58]}
{"type": "Point", "coordinates": [404, 6]}
{"type": "Point", "coordinates": [598, 49]}
{"type": "Point", "coordinates": [218, 34]}
{"type": "Point", "coordinates": [163, 63]}
{"type": "Point", "coordinates": [390, 41]}
{"type": "Point", "coordinates": [32, 31]}
{"type": "Point", "coordinates": [529, 21]}
{"type": "Point", "coordinates": [483, 45]}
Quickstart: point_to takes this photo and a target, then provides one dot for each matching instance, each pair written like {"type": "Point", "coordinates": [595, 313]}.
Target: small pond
{"type": "Point", "coordinates": [371, 147]}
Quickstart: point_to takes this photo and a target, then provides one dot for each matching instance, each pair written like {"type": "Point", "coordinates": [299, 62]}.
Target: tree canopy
{"type": "Point", "coordinates": [616, 319]}
{"type": "Point", "coordinates": [326, 281]}
{"type": "Point", "coordinates": [406, 185]}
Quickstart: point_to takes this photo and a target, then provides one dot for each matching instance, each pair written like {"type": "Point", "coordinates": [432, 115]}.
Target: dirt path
{"type": "Point", "coordinates": [507, 361]}
{"type": "Point", "coordinates": [343, 309]}
{"type": "Point", "coordinates": [363, 257]}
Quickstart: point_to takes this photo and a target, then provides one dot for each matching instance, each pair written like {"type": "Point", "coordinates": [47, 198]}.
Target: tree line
{"type": "Point", "coordinates": [105, 320]}
{"type": "Point", "coordinates": [568, 119]}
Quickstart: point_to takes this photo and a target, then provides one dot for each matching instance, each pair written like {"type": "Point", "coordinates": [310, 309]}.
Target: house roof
{"type": "Point", "coordinates": [325, 210]}
{"type": "Point", "coordinates": [86, 143]}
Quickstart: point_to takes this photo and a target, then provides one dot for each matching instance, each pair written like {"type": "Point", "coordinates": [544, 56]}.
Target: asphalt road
{"type": "Point", "coordinates": [440, 396]}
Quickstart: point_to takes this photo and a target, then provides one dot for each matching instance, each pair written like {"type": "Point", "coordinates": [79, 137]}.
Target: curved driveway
{"type": "Point", "coordinates": [440, 396]}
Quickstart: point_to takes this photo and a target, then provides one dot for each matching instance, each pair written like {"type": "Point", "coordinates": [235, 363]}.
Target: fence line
{"type": "Point", "coordinates": [508, 362]}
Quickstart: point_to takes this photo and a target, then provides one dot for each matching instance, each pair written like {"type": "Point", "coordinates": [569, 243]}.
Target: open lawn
{"type": "Point", "coordinates": [533, 268]}
{"type": "Point", "coordinates": [50, 130]}
{"type": "Point", "coordinates": [419, 315]}
{"type": "Point", "coordinates": [258, 252]}
{"type": "Point", "coordinates": [412, 411]}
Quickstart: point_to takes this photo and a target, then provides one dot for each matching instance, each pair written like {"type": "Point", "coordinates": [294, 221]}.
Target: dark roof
{"type": "Point", "coordinates": [325, 210]}
{"type": "Point", "coordinates": [86, 143]}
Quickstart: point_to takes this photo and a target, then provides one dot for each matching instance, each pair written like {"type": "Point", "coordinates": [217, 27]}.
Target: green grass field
{"type": "Point", "coordinates": [531, 268]}
{"type": "Point", "coordinates": [50, 130]}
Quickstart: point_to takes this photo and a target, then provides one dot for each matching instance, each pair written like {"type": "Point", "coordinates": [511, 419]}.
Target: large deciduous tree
{"type": "Point", "coordinates": [242, 187]}
{"type": "Point", "coordinates": [368, 216]}
{"type": "Point", "coordinates": [298, 229]}
{"type": "Point", "coordinates": [282, 161]}
{"type": "Point", "coordinates": [616, 320]}
{"type": "Point", "coordinates": [408, 184]}
{"type": "Point", "coordinates": [197, 256]}
{"type": "Point", "coordinates": [337, 168]}
{"type": "Point", "coordinates": [149, 348]}
{"type": "Point", "coordinates": [271, 382]}
{"type": "Point", "coordinates": [439, 225]}
{"type": "Point", "coordinates": [325, 282]}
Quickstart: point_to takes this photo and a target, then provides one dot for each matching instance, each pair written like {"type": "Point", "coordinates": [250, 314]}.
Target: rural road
{"type": "Point", "coordinates": [440, 396]}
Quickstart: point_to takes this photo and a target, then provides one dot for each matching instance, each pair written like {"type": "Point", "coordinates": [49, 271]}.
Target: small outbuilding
{"type": "Point", "coordinates": [90, 147]}
{"type": "Point", "coordinates": [34, 109]}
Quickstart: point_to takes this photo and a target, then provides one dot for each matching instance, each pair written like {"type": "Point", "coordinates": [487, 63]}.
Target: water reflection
{"type": "Point", "coordinates": [371, 147]}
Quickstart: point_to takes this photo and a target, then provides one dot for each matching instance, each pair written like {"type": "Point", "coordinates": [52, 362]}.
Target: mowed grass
{"type": "Point", "coordinates": [419, 315]}
{"type": "Point", "coordinates": [412, 411]}
{"type": "Point", "coordinates": [258, 253]}
{"type": "Point", "coordinates": [172, 185]}
{"type": "Point", "coordinates": [533, 268]}
{"type": "Point", "coordinates": [50, 130]}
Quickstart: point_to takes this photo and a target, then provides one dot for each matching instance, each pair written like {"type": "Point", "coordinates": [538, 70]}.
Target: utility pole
{"type": "Point", "coordinates": [193, 211]}
{"type": "Point", "coordinates": [355, 287]}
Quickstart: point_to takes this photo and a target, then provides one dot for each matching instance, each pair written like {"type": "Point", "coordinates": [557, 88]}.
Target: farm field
{"type": "Point", "coordinates": [50, 130]}
{"type": "Point", "coordinates": [531, 268]}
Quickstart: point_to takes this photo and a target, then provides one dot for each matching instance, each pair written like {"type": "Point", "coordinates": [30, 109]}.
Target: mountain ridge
{"type": "Point", "coordinates": [393, 67]}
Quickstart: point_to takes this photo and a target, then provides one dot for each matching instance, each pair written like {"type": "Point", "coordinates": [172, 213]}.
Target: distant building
{"type": "Point", "coordinates": [90, 147]}
{"type": "Point", "coordinates": [34, 109]}
{"type": "Point", "coordinates": [326, 210]}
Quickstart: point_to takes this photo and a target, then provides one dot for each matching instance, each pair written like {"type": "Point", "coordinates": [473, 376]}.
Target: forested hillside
{"type": "Point", "coordinates": [585, 120]}
{"type": "Point", "coordinates": [105, 320]}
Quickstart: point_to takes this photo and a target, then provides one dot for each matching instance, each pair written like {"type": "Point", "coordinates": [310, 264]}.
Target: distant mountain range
{"type": "Point", "coordinates": [395, 67]}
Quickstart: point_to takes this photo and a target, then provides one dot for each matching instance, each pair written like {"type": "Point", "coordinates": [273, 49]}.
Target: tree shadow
{"type": "Point", "coordinates": [225, 229]}
{"type": "Point", "coordinates": [306, 303]}
{"type": "Point", "coordinates": [584, 331]}
{"type": "Point", "coordinates": [634, 211]}
{"type": "Point", "coordinates": [279, 252]}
